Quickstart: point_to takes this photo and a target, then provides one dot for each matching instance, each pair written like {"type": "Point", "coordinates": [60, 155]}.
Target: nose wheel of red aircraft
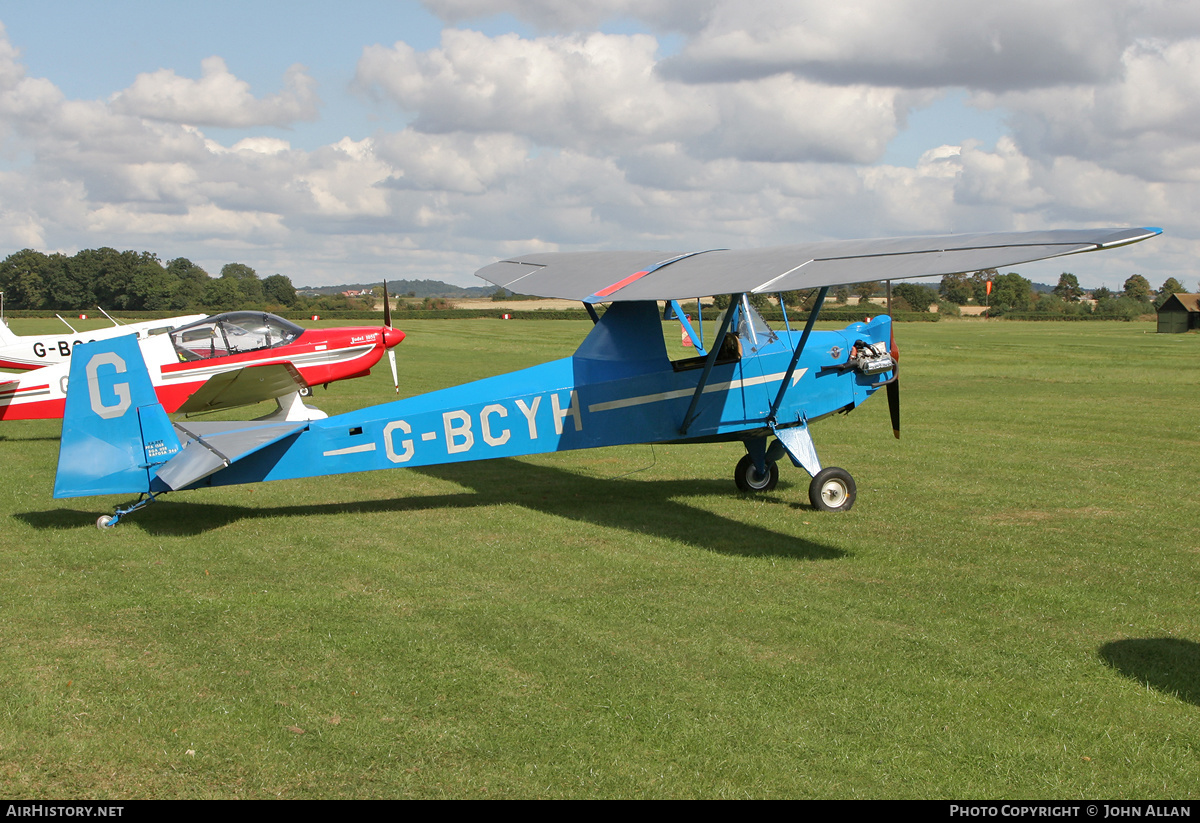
{"type": "Point", "coordinates": [749, 480]}
{"type": "Point", "coordinates": [832, 490]}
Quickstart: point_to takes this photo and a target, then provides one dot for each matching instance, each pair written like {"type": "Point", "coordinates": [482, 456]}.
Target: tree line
{"type": "Point", "coordinates": [1012, 293]}
{"type": "Point", "coordinates": [139, 281]}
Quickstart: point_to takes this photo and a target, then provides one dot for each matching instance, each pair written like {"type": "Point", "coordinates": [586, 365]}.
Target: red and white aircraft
{"type": "Point", "coordinates": [227, 360]}
{"type": "Point", "coordinates": [35, 351]}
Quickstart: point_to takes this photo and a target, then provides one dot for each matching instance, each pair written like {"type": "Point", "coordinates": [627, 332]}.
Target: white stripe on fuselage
{"type": "Point", "coordinates": [303, 360]}
{"type": "Point", "coordinates": [643, 399]}
{"type": "Point", "coordinates": [365, 447]}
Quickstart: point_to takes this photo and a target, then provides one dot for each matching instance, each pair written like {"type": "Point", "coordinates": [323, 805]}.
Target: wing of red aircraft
{"type": "Point", "coordinates": [622, 276]}
{"type": "Point", "coordinates": [244, 387]}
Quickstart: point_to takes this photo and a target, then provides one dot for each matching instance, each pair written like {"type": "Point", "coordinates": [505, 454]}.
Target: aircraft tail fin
{"type": "Point", "coordinates": [115, 434]}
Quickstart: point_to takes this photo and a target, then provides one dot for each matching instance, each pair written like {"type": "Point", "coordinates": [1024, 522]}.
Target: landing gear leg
{"type": "Point", "coordinates": [832, 489]}
{"type": "Point", "coordinates": [105, 521]}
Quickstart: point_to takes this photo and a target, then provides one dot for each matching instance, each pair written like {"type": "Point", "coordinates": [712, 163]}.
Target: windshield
{"type": "Point", "coordinates": [233, 333]}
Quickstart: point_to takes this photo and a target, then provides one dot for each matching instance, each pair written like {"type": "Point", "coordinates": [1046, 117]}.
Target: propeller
{"type": "Point", "coordinates": [893, 388]}
{"type": "Point", "coordinates": [390, 336]}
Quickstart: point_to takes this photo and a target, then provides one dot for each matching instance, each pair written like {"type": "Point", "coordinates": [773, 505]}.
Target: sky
{"type": "Point", "coordinates": [364, 140]}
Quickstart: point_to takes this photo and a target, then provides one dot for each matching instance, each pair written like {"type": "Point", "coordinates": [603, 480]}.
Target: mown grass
{"type": "Point", "coordinates": [1010, 610]}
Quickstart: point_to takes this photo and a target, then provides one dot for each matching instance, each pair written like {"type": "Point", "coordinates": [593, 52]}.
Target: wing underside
{"type": "Point", "coordinates": [655, 275]}
{"type": "Point", "coordinates": [243, 387]}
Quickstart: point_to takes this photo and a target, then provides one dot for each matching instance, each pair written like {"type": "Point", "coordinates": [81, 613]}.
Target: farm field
{"type": "Point", "coordinates": [1009, 611]}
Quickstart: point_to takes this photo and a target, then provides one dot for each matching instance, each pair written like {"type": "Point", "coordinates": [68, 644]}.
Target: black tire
{"type": "Point", "coordinates": [832, 490]}
{"type": "Point", "coordinates": [748, 480]}
{"type": "Point", "coordinates": [306, 391]}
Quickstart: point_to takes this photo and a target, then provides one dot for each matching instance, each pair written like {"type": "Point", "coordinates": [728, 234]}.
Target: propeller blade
{"type": "Point", "coordinates": [893, 388]}
{"type": "Point", "coordinates": [387, 321]}
{"type": "Point", "coordinates": [893, 396]}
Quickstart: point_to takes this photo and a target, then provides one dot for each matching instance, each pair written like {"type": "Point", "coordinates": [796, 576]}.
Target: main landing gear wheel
{"type": "Point", "coordinates": [749, 480]}
{"type": "Point", "coordinates": [832, 490]}
{"type": "Point", "coordinates": [105, 521]}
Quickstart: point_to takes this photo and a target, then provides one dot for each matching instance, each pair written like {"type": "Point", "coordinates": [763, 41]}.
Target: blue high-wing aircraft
{"type": "Point", "coordinates": [756, 385]}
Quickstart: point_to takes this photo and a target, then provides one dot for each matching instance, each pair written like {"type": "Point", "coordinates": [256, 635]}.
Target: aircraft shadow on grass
{"type": "Point", "coordinates": [49, 438]}
{"type": "Point", "coordinates": [645, 507]}
{"type": "Point", "coordinates": [1166, 664]}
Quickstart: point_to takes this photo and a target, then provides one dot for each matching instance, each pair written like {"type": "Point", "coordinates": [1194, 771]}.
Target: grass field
{"type": "Point", "coordinates": [1010, 610]}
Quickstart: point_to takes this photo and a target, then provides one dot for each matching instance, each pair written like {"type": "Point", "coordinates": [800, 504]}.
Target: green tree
{"type": "Point", "coordinates": [249, 289]}
{"type": "Point", "coordinates": [221, 294]}
{"type": "Point", "coordinates": [957, 289]}
{"type": "Point", "coordinates": [152, 288]}
{"type": "Point", "coordinates": [1011, 292]}
{"type": "Point", "coordinates": [1068, 288]}
{"type": "Point", "coordinates": [979, 282]}
{"type": "Point", "coordinates": [191, 282]}
{"type": "Point", "coordinates": [1170, 286]}
{"type": "Point", "coordinates": [238, 271]}
{"type": "Point", "coordinates": [279, 290]}
{"type": "Point", "coordinates": [1121, 307]}
{"type": "Point", "coordinates": [918, 297]}
{"type": "Point", "coordinates": [22, 281]}
{"type": "Point", "coordinates": [1138, 288]}
{"type": "Point", "coordinates": [866, 291]}
{"type": "Point", "coordinates": [108, 273]}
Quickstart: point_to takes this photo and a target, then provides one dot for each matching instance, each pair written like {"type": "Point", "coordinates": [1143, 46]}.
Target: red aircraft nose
{"type": "Point", "coordinates": [391, 337]}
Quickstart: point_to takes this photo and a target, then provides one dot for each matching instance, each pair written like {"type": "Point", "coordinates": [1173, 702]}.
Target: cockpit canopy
{"type": "Point", "coordinates": [233, 333]}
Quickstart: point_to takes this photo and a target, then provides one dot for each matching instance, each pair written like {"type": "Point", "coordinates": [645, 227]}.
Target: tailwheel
{"type": "Point", "coordinates": [749, 480]}
{"type": "Point", "coordinates": [832, 490]}
{"type": "Point", "coordinates": [105, 521]}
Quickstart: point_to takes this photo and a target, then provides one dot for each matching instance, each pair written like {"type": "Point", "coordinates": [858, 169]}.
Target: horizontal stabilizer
{"type": "Point", "coordinates": [244, 387]}
{"type": "Point", "coordinates": [210, 447]}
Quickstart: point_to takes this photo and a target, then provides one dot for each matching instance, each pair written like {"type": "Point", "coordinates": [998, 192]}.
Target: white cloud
{"type": "Point", "coordinates": [1146, 122]}
{"type": "Point", "coordinates": [931, 43]}
{"type": "Point", "coordinates": [456, 162]}
{"type": "Point", "coordinates": [555, 15]}
{"type": "Point", "coordinates": [600, 93]}
{"type": "Point", "coordinates": [218, 98]}
{"type": "Point", "coordinates": [574, 90]}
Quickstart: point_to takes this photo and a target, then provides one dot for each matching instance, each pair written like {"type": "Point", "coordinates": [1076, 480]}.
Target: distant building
{"type": "Point", "coordinates": [1180, 313]}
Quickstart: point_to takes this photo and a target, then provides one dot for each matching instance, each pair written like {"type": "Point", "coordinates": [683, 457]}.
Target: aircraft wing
{"type": "Point", "coordinates": [596, 277]}
{"type": "Point", "coordinates": [242, 387]}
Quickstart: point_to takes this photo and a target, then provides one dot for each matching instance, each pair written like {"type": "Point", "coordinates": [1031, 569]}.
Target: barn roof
{"type": "Point", "coordinates": [1181, 301]}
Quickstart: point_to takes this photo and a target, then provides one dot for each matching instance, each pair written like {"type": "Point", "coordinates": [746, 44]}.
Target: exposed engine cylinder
{"type": "Point", "coordinates": [871, 358]}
